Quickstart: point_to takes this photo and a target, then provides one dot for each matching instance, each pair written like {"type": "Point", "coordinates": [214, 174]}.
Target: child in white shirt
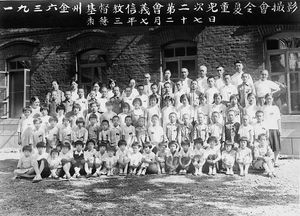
{"type": "Point", "coordinates": [244, 156]}
{"type": "Point", "coordinates": [135, 159]}
{"type": "Point", "coordinates": [122, 155]}
{"type": "Point", "coordinates": [147, 160]}
{"type": "Point", "coordinates": [199, 156]}
{"type": "Point", "coordinates": [228, 158]}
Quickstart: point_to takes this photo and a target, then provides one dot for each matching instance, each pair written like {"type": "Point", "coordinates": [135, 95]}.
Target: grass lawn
{"type": "Point", "coordinates": [154, 195]}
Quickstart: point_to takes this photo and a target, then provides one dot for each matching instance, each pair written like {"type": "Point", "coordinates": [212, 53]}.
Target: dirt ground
{"type": "Point", "coordinates": [153, 195]}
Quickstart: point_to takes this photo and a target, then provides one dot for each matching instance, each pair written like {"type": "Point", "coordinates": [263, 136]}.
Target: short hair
{"type": "Point", "coordinates": [154, 84]}
{"type": "Point", "coordinates": [108, 103]}
{"type": "Point", "coordinates": [198, 141]}
{"type": "Point", "coordinates": [91, 141]}
{"type": "Point", "coordinates": [66, 145]}
{"type": "Point", "coordinates": [238, 62]}
{"type": "Point", "coordinates": [167, 69]}
{"type": "Point", "coordinates": [125, 104]}
{"type": "Point", "coordinates": [261, 135]}
{"type": "Point", "coordinates": [93, 102]}
{"type": "Point", "coordinates": [259, 111]}
{"type": "Point", "coordinates": [66, 119]}
{"type": "Point", "coordinates": [215, 112]}
{"type": "Point", "coordinates": [27, 108]}
{"type": "Point", "coordinates": [76, 105]}
{"type": "Point", "coordinates": [27, 148]}
{"type": "Point", "coordinates": [137, 99]}
{"type": "Point", "coordinates": [103, 143]}
{"type": "Point", "coordinates": [53, 118]}
{"type": "Point", "coordinates": [105, 121]}
{"type": "Point", "coordinates": [167, 83]}
{"type": "Point", "coordinates": [135, 144]}
{"type": "Point", "coordinates": [226, 74]}
{"type": "Point", "coordinates": [210, 77]}
{"type": "Point", "coordinates": [153, 97]}
{"type": "Point", "coordinates": [147, 144]}
{"type": "Point", "coordinates": [185, 142]}
{"type": "Point", "coordinates": [250, 94]}
{"type": "Point", "coordinates": [173, 113]}
{"type": "Point", "coordinates": [184, 96]}
{"type": "Point", "coordinates": [33, 99]}
{"type": "Point", "coordinates": [234, 96]}
{"type": "Point", "coordinates": [216, 95]}
{"type": "Point", "coordinates": [128, 117]}
{"type": "Point", "coordinates": [155, 116]}
{"type": "Point", "coordinates": [41, 145]}
{"type": "Point", "coordinates": [116, 116]}
{"type": "Point", "coordinates": [140, 85]}
{"type": "Point", "coordinates": [80, 120]}
{"type": "Point", "coordinates": [269, 95]}
{"type": "Point", "coordinates": [122, 142]}
{"type": "Point", "coordinates": [44, 108]}
{"type": "Point", "coordinates": [93, 115]}
{"type": "Point", "coordinates": [169, 98]}
{"type": "Point", "coordinates": [54, 151]}
{"type": "Point", "coordinates": [173, 143]}
{"type": "Point", "coordinates": [37, 120]}
{"type": "Point", "coordinates": [212, 139]}
{"type": "Point", "coordinates": [79, 142]}
{"type": "Point", "coordinates": [61, 107]}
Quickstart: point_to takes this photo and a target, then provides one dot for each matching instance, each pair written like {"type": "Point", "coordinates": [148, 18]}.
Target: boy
{"type": "Point", "coordinates": [128, 131]}
{"type": "Point", "coordinates": [66, 156]}
{"type": "Point", "coordinates": [65, 133]}
{"type": "Point", "coordinates": [38, 133]}
{"type": "Point", "coordinates": [93, 128]}
{"type": "Point", "coordinates": [231, 129]}
{"type": "Point", "coordinates": [199, 156]}
{"type": "Point", "coordinates": [185, 157]}
{"type": "Point", "coordinates": [44, 117]}
{"type": "Point", "coordinates": [68, 102]}
{"type": "Point", "coordinates": [54, 162]}
{"type": "Point", "coordinates": [122, 155]}
{"type": "Point", "coordinates": [25, 127]}
{"type": "Point", "coordinates": [200, 130]}
{"type": "Point", "coordinates": [79, 132]}
{"type": "Point", "coordinates": [172, 159]}
{"type": "Point", "coordinates": [115, 132]}
{"type": "Point", "coordinates": [111, 161]}
{"type": "Point", "coordinates": [211, 90]}
{"type": "Point", "coordinates": [42, 167]}
{"type": "Point", "coordinates": [141, 131]}
{"type": "Point", "coordinates": [213, 155]}
{"type": "Point", "coordinates": [244, 157]}
{"type": "Point", "coordinates": [244, 89]}
{"type": "Point", "coordinates": [52, 134]}
{"type": "Point", "coordinates": [78, 161]}
{"type": "Point", "coordinates": [91, 162]}
{"type": "Point", "coordinates": [135, 159]}
{"type": "Point", "coordinates": [25, 163]}
{"type": "Point", "coordinates": [260, 127]}
{"type": "Point", "coordinates": [161, 156]}
{"type": "Point", "coordinates": [147, 160]}
{"type": "Point", "coordinates": [246, 130]}
{"type": "Point", "coordinates": [102, 156]}
{"type": "Point", "coordinates": [215, 129]}
{"type": "Point", "coordinates": [185, 130]}
{"type": "Point", "coordinates": [228, 158]}
{"type": "Point", "coordinates": [172, 128]}
{"type": "Point", "coordinates": [94, 111]}
{"type": "Point", "coordinates": [155, 131]}
{"type": "Point", "coordinates": [104, 134]}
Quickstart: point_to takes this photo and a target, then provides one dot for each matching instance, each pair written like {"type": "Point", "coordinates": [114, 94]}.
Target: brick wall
{"type": "Point", "coordinates": [130, 51]}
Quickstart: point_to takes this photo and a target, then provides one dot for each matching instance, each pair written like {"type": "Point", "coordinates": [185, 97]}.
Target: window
{"type": "Point", "coordinates": [180, 55]}
{"type": "Point", "coordinates": [92, 67]}
{"type": "Point", "coordinates": [283, 62]}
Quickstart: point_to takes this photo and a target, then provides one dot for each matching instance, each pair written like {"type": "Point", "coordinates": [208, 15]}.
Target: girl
{"type": "Point", "coordinates": [273, 123]}
{"type": "Point", "coordinates": [213, 155]}
{"type": "Point", "coordinates": [25, 127]}
{"type": "Point", "coordinates": [65, 132]}
{"type": "Point", "coordinates": [79, 132]}
{"type": "Point", "coordinates": [246, 130]}
{"type": "Point", "coordinates": [153, 109]}
{"type": "Point", "coordinates": [185, 108]}
{"type": "Point", "coordinates": [244, 156]}
{"type": "Point", "coordinates": [74, 90]}
{"type": "Point", "coordinates": [141, 131]}
{"type": "Point", "coordinates": [215, 128]}
{"type": "Point", "coordinates": [228, 158]}
{"type": "Point", "coordinates": [82, 102]}
{"type": "Point", "coordinates": [54, 162]}
{"type": "Point", "coordinates": [147, 160]}
{"type": "Point", "coordinates": [219, 107]}
{"type": "Point", "coordinates": [251, 108]}
{"type": "Point", "coordinates": [122, 155]}
{"type": "Point", "coordinates": [137, 111]}
{"type": "Point", "coordinates": [125, 112]}
{"type": "Point", "coordinates": [185, 157]}
{"type": "Point", "coordinates": [203, 108]}
{"type": "Point", "coordinates": [128, 132]}
{"type": "Point", "coordinates": [111, 85]}
{"type": "Point", "coordinates": [91, 161]}
{"type": "Point", "coordinates": [135, 159]}
{"type": "Point", "coordinates": [161, 157]}
{"type": "Point", "coordinates": [35, 106]}
{"type": "Point", "coordinates": [169, 108]}
{"type": "Point", "coordinates": [44, 116]}
{"type": "Point", "coordinates": [234, 105]}
{"type": "Point", "coordinates": [199, 156]}
{"type": "Point", "coordinates": [200, 130]}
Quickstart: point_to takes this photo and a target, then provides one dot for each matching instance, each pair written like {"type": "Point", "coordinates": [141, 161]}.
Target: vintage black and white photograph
{"type": "Point", "coordinates": [135, 107]}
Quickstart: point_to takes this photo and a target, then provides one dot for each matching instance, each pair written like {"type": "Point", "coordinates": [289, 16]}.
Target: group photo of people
{"type": "Point", "coordinates": [213, 125]}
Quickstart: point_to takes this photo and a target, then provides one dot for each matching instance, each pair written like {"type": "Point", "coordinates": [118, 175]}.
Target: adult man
{"type": "Point", "coordinates": [147, 86]}
{"type": "Point", "coordinates": [142, 96]}
{"type": "Point", "coordinates": [219, 81]}
{"type": "Point", "coordinates": [186, 82]}
{"type": "Point", "coordinates": [228, 89]}
{"type": "Point", "coordinates": [264, 86]}
{"type": "Point", "coordinates": [167, 79]}
{"type": "Point", "coordinates": [236, 79]}
{"type": "Point", "coordinates": [116, 100]}
{"type": "Point", "coordinates": [202, 80]}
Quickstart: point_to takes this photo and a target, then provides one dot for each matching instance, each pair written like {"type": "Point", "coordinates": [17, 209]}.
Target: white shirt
{"type": "Point", "coordinates": [236, 79]}
{"type": "Point", "coordinates": [210, 94]}
{"type": "Point", "coordinates": [219, 83]}
{"type": "Point", "coordinates": [144, 99]}
{"type": "Point", "coordinates": [156, 134]}
{"type": "Point", "coordinates": [102, 107]}
{"type": "Point", "coordinates": [228, 90]}
{"type": "Point", "coordinates": [272, 115]}
{"type": "Point", "coordinates": [264, 87]}
{"type": "Point", "coordinates": [135, 158]}
{"type": "Point", "coordinates": [202, 84]}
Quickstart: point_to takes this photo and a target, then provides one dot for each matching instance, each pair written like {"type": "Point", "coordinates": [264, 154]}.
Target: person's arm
{"type": "Point", "coordinates": [218, 157]}
{"type": "Point", "coordinates": [86, 134]}
{"type": "Point", "coordinates": [274, 87]}
{"type": "Point", "coordinates": [19, 165]}
{"type": "Point", "coordinates": [19, 132]}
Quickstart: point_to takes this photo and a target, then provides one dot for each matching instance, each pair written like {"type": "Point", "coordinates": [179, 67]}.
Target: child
{"type": "Point", "coordinates": [128, 131]}
{"type": "Point", "coordinates": [154, 91]}
{"type": "Point", "coordinates": [25, 163]}
{"type": "Point", "coordinates": [66, 156]}
{"type": "Point", "coordinates": [104, 134]}
{"type": "Point", "coordinates": [213, 155]}
{"type": "Point", "coordinates": [172, 128]}
{"type": "Point", "coordinates": [153, 109]}
{"type": "Point", "coordinates": [215, 128]}
{"type": "Point", "coordinates": [68, 102]}
{"type": "Point", "coordinates": [115, 132]}
{"type": "Point", "coordinates": [82, 102]}
{"type": "Point", "coordinates": [244, 89]}
{"type": "Point", "coordinates": [236, 107]}
{"type": "Point", "coordinates": [155, 131]}
{"type": "Point", "coordinates": [25, 127]}
{"type": "Point", "coordinates": [102, 156]}
{"type": "Point", "coordinates": [79, 132]}
{"type": "Point", "coordinates": [260, 127]}
{"type": "Point", "coordinates": [135, 159]}
{"type": "Point", "coordinates": [111, 162]}
{"type": "Point", "coordinates": [161, 156]}
{"type": "Point", "coordinates": [94, 111]}
{"type": "Point", "coordinates": [54, 162]}
{"type": "Point", "coordinates": [53, 103]}
{"type": "Point", "coordinates": [141, 131]}
{"type": "Point", "coordinates": [91, 161]}
{"type": "Point", "coordinates": [128, 96]}
{"type": "Point", "coordinates": [231, 129]}
{"type": "Point", "coordinates": [137, 111]}
{"type": "Point", "coordinates": [185, 157]}
{"type": "Point", "coordinates": [200, 131]}
{"type": "Point", "coordinates": [199, 156]}
{"type": "Point", "coordinates": [273, 122]}
{"type": "Point", "coordinates": [185, 108]}
{"type": "Point", "coordinates": [35, 106]}
{"type": "Point", "coordinates": [185, 130]}
{"type": "Point", "coordinates": [38, 133]}
{"type": "Point", "coordinates": [251, 108]}
{"type": "Point", "coordinates": [172, 158]}
{"type": "Point", "coordinates": [125, 112]}
{"type": "Point", "coordinates": [246, 130]}
{"type": "Point", "coordinates": [203, 107]}
{"type": "Point", "coordinates": [263, 156]}
{"type": "Point", "coordinates": [42, 167]}
{"type": "Point", "coordinates": [147, 160]}
{"type": "Point", "coordinates": [169, 108]}
{"type": "Point", "coordinates": [122, 155]}
{"type": "Point", "coordinates": [109, 114]}
{"type": "Point", "coordinates": [75, 114]}
{"type": "Point", "coordinates": [228, 157]}
{"type": "Point", "coordinates": [65, 133]}
{"type": "Point", "coordinates": [93, 128]}
{"type": "Point", "coordinates": [244, 156]}
{"type": "Point", "coordinates": [219, 107]}
{"type": "Point", "coordinates": [44, 117]}
{"type": "Point", "coordinates": [78, 162]}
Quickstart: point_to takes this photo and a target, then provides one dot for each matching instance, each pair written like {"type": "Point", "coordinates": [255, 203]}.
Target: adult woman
{"type": "Point", "coordinates": [96, 88]}
{"type": "Point", "coordinates": [74, 90]}
{"type": "Point", "coordinates": [60, 94]}
{"type": "Point", "coordinates": [111, 85]}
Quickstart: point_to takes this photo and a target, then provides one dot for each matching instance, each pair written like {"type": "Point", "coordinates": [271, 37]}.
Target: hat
{"type": "Point", "coordinates": [41, 145]}
{"type": "Point", "coordinates": [244, 139]}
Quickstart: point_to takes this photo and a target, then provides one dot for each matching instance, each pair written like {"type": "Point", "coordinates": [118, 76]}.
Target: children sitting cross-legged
{"type": "Point", "coordinates": [148, 158]}
{"type": "Point", "coordinates": [25, 163]}
{"type": "Point", "coordinates": [263, 156]}
{"type": "Point", "coordinates": [135, 159]}
{"type": "Point", "coordinates": [122, 155]}
{"type": "Point", "coordinates": [161, 156]}
{"type": "Point", "coordinates": [172, 161]}
{"type": "Point", "coordinates": [111, 161]}
{"type": "Point", "coordinates": [54, 162]}
{"type": "Point", "coordinates": [185, 157]}
{"type": "Point", "coordinates": [213, 155]}
{"type": "Point", "coordinates": [199, 156]}
{"type": "Point", "coordinates": [244, 156]}
{"type": "Point", "coordinates": [66, 156]}
{"type": "Point", "coordinates": [92, 163]}
{"type": "Point", "coordinates": [78, 159]}
{"type": "Point", "coordinates": [228, 157]}
{"type": "Point", "coordinates": [41, 167]}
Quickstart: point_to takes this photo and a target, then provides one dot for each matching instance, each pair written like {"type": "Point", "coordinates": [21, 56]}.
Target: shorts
{"type": "Point", "coordinates": [274, 138]}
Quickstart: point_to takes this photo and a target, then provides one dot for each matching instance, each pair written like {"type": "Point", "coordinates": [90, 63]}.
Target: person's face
{"type": "Point", "coordinates": [227, 79]}
{"type": "Point", "coordinates": [162, 148]}
{"type": "Point", "coordinates": [44, 112]}
{"type": "Point", "coordinates": [37, 125]}
{"type": "Point", "coordinates": [109, 108]}
{"type": "Point", "coordinates": [27, 153]}
{"type": "Point", "coordinates": [53, 123]}
{"type": "Point", "coordinates": [263, 140]}
{"type": "Point", "coordinates": [211, 82]}
{"type": "Point", "coordinates": [92, 94]}
{"type": "Point", "coordinates": [220, 71]}
{"type": "Point", "coordinates": [214, 117]}
{"type": "Point", "coordinates": [200, 118]}
{"type": "Point", "coordinates": [116, 91]}
{"type": "Point", "coordinates": [231, 116]}
{"type": "Point", "coordinates": [243, 144]}
{"type": "Point", "coordinates": [218, 99]}
{"type": "Point", "coordinates": [202, 71]}
{"type": "Point", "coordinates": [66, 123]}
{"type": "Point", "coordinates": [196, 100]}
{"type": "Point", "coordinates": [102, 149]}
{"type": "Point", "coordinates": [112, 85]}
{"type": "Point", "coordinates": [54, 95]}
{"type": "Point", "coordinates": [55, 85]}
{"type": "Point", "coordinates": [179, 86]}
{"type": "Point", "coordinates": [194, 85]}
{"type": "Point", "coordinates": [245, 120]}
{"type": "Point", "coordinates": [115, 121]}
{"type": "Point", "coordinates": [80, 93]}
{"type": "Point", "coordinates": [154, 120]}
{"type": "Point", "coordinates": [27, 113]}
{"type": "Point", "coordinates": [168, 103]}
{"type": "Point", "coordinates": [136, 104]}
{"type": "Point", "coordinates": [228, 148]}
{"type": "Point", "coordinates": [128, 121]}
{"type": "Point", "coordinates": [167, 75]}
{"type": "Point", "coordinates": [65, 150]}
{"type": "Point", "coordinates": [54, 155]}
{"type": "Point", "coordinates": [74, 85]}
{"type": "Point", "coordinates": [41, 150]}
{"type": "Point", "coordinates": [128, 92]}
{"type": "Point", "coordinates": [264, 75]}
{"type": "Point", "coordinates": [93, 121]}
{"type": "Point", "coordinates": [104, 92]}
{"type": "Point", "coordinates": [122, 147]}
{"type": "Point", "coordinates": [269, 100]}
{"type": "Point", "coordinates": [60, 112]}
{"type": "Point", "coordinates": [110, 153]}
{"type": "Point", "coordinates": [36, 104]}
{"type": "Point", "coordinates": [184, 101]}
{"type": "Point", "coordinates": [90, 146]}
{"type": "Point", "coordinates": [104, 125]}
{"type": "Point", "coordinates": [212, 144]}
{"type": "Point", "coordinates": [172, 147]}
{"type": "Point", "coordinates": [152, 102]}
{"type": "Point", "coordinates": [141, 90]}
{"type": "Point", "coordinates": [94, 107]}
{"type": "Point", "coordinates": [134, 149]}
{"type": "Point", "coordinates": [78, 148]}
{"type": "Point", "coordinates": [147, 149]}
{"type": "Point", "coordinates": [184, 73]}
{"type": "Point", "coordinates": [147, 78]}
{"type": "Point", "coordinates": [141, 122]}
{"type": "Point", "coordinates": [186, 119]}
{"type": "Point", "coordinates": [202, 100]}
{"type": "Point", "coordinates": [76, 110]}
{"type": "Point", "coordinates": [173, 118]}
{"type": "Point", "coordinates": [96, 87]}
{"type": "Point", "coordinates": [185, 147]}
{"type": "Point", "coordinates": [244, 78]}
{"type": "Point", "coordinates": [239, 67]}
{"type": "Point", "coordinates": [154, 89]}
{"type": "Point", "coordinates": [260, 117]}
{"type": "Point", "coordinates": [125, 109]}
{"type": "Point", "coordinates": [251, 99]}
{"type": "Point", "coordinates": [132, 83]}
{"type": "Point", "coordinates": [168, 88]}
{"type": "Point", "coordinates": [80, 124]}
{"type": "Point", "coordinates": [68, 95]}
{"type": "Point", "coordinates": [234, 101]}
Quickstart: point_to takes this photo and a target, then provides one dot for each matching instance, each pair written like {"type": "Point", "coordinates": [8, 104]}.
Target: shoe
{"type": "Point", "coordinates": [227, 172]}
{"type": "Point", "coordinates": [184, 172]}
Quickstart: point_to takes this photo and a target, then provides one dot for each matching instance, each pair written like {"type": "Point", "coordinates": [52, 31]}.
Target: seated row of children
{"type": "Point", "coordinates": [96, 159]}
